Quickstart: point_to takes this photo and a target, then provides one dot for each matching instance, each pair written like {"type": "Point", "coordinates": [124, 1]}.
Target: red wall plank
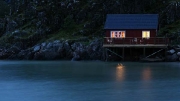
{"type": "Point", "coordinates": [133, 32]}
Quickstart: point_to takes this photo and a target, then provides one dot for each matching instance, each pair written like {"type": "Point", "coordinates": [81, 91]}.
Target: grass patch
{"type": "Point", "coordinates": [71, 32]}
{"type": "Point", "coordinates": [62, 35]}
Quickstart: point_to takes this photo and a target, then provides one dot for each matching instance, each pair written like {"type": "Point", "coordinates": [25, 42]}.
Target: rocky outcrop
{"type": "Point", "coordinates": [173, 54]}
{"type": "Point", "coordinates": [56, 50]}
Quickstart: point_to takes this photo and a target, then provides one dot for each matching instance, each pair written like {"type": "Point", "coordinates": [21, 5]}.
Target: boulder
{"type": "Point", "coordinates": [172, 51]}
{"type": "Point", "coordinates": [38, 56]}
{"type": "Point", "coordinates": [14, 49]}
{"type": "Point", "coordinates": [177, 49]}
{"type": "Point", "coordinates": [43, 45]}
{"type": "Point", "coordinates": [50, 54]}
{"type": "Point", "coordinates": [80, 51]}
{"type": "Point", "coordinates": [76, 57]}
{"type": "Point", "coordinates": [4, 54]}
{"type": "Point", "coordinates": [178, 54]}
{"type": "Point", "coordinates": [19, 33]}
{"type": "Point", "coordinates": [172, 57]}
{"type": "Point", "coordinates": [178, 46]}
{"type": "Point", "coordinates": [57, 44]}
{"type": "Point", "coordinates": [36, 48]}
{"type": "Point", "coordinates": [23, 54]}
{"type": "Point", "coordinates": [67, 50]}
{"type": "Point", "coordinates": [49, 45]}
{"type": "Point", "coordinates": [95, 50]}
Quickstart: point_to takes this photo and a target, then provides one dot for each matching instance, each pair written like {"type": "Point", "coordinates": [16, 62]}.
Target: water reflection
{"type": "Point", "coordinates": [93, 81]}
{"type": "Point", "coordinates": [146, 74]}
{"type": "Point", "coordinates": [120, 72]}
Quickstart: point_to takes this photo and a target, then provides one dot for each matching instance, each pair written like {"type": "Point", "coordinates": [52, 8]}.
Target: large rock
{"type": "Point", "coordinates": [172, 51]}
{"type": "Point", "coordinates": [51, 54]}
{"type": "Point", "coordinates": [80, 52]}
{"type": "Point", "coordinates": [178, 46]}
{"type": "Point", "coordinates": [95, 50]}
{"type": "Point", "coordinates": [76, 57]}
{"type": "Point", "coordinates": [51, 51]}
{"type": "Point", "coordinates": [14, 49]}
{"type": "Point", "coordinates": [25, 54]}
{"type": "Point", "coordinates": [37, 48]}
{"type": "Point", "coordinates": [67, 50]}
{"type": "Point", "coordinates": [19, 33]}
{"type": "Point", "coordinates": [177, 49]}
{"type": "Point", "coordinates": [178, 54]}
{"type": "Point", "coordinates": [172, 57]}
{"type": "Point", "coordinates": [57, 44]}
{"type": "Point", "coordinates": [49, 45]}
{"type": "Point", "coordinates": [4, 54]}
{"type": "Point", "coordinates": [39, 56]}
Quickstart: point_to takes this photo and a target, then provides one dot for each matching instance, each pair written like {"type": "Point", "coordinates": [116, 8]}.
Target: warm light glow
{"type": "Point", "coordinates": [119, 66]}
{"type": "Point", "coordinates": [120, 71]}
{"type": "Point", "coordinates": [117, 34]}
{"type": "Point", "coordinates": [146, 74]}
{"type": "Point", "coordinates": [146, 77]}
{"type": "Point", "coordinates": [145, 34]}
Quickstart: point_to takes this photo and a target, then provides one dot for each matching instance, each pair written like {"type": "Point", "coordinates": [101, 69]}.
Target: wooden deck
{"type": "Point", "coordinates": [151, 60]}
{"type": "Point", "coordinates": [136, 45]}
{"type": "Point", "coordinates": [158, 42]}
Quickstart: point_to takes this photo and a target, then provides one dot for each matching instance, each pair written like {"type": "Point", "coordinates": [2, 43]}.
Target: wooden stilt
{"type": "Point", "coordinates": [106, 55]}
{"type": "Point", "coordinates": [144, 52]}
{"type": "Point", "coordinates": [123, 53]}
{"type": "Point", "coordinates": [154, 53]}
{"type": "Point", "coordinates": [165, 53]}
{"type": "Point", "coordinates": [114, 53]}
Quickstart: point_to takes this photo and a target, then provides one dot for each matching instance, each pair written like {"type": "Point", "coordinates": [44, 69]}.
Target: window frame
{"type": "Point", "coordinates": [118, 32]}
{"type": "Point", "coordinates": [146, 34]}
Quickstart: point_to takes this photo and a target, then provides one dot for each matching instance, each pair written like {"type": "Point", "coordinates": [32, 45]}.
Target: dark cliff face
{"type": "Point", "coordinates": [27, 23]}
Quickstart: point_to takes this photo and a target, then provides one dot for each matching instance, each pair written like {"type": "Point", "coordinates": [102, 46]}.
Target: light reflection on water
{"type": "Point", "coordinates": [120, 73]}
{"type": "Point", "coordinates": [88, 81]}
{"type": "Point", "coordinates": [146, 74]}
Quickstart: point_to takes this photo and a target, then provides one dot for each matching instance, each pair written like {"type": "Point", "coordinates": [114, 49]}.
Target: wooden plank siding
{"type": "Point", "coordinates": [132, 32]}
{"type": "Point", "coordinates": [133, 25]}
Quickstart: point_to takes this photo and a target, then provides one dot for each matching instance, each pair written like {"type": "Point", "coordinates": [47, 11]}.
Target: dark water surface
{"type": "Point", "coordinates": [88, 81]}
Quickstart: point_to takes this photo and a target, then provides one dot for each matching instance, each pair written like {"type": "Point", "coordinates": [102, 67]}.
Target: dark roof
{"type": "Point", "coordinates": [131, 21]}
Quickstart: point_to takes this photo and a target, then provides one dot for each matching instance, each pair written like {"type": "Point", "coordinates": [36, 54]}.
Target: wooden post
{"type": "Point", "coordinates": [144, 52]}
{"type": "Point", "coordinates": [123, 53]}
{"type": "Point", "coordinates": [165, 53]}
{"type": "Point", "coordinates": [131, 52]}
{"type": "Point", "coordinates": [106, 55]}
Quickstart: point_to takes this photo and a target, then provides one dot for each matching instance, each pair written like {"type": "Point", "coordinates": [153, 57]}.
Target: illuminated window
{"type": "Point", "coordinates": [117, 34]}
{"type": "Point", "coordinates": [145, 34]}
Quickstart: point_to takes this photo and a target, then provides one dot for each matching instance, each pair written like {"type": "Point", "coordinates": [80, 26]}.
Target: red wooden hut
{"type": "Point", "coordinates": [129, 32]}
{"type": "Point", "coordinates": [132, 29]}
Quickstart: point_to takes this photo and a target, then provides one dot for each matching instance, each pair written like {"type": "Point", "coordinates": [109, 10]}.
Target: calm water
{"type": "Point", "coordinates": [88, 81]}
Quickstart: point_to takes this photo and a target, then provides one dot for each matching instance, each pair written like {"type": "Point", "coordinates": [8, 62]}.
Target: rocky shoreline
{"type": "Point", "coordinates": [68, 50]}
{"type": "Point", "coordinates": [173, 54]}
{"type": "Point", "coordinates": [55, 50]}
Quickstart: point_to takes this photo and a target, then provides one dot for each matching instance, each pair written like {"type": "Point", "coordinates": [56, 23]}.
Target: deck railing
{"type": "Point", "coordinates": [136, 40]}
